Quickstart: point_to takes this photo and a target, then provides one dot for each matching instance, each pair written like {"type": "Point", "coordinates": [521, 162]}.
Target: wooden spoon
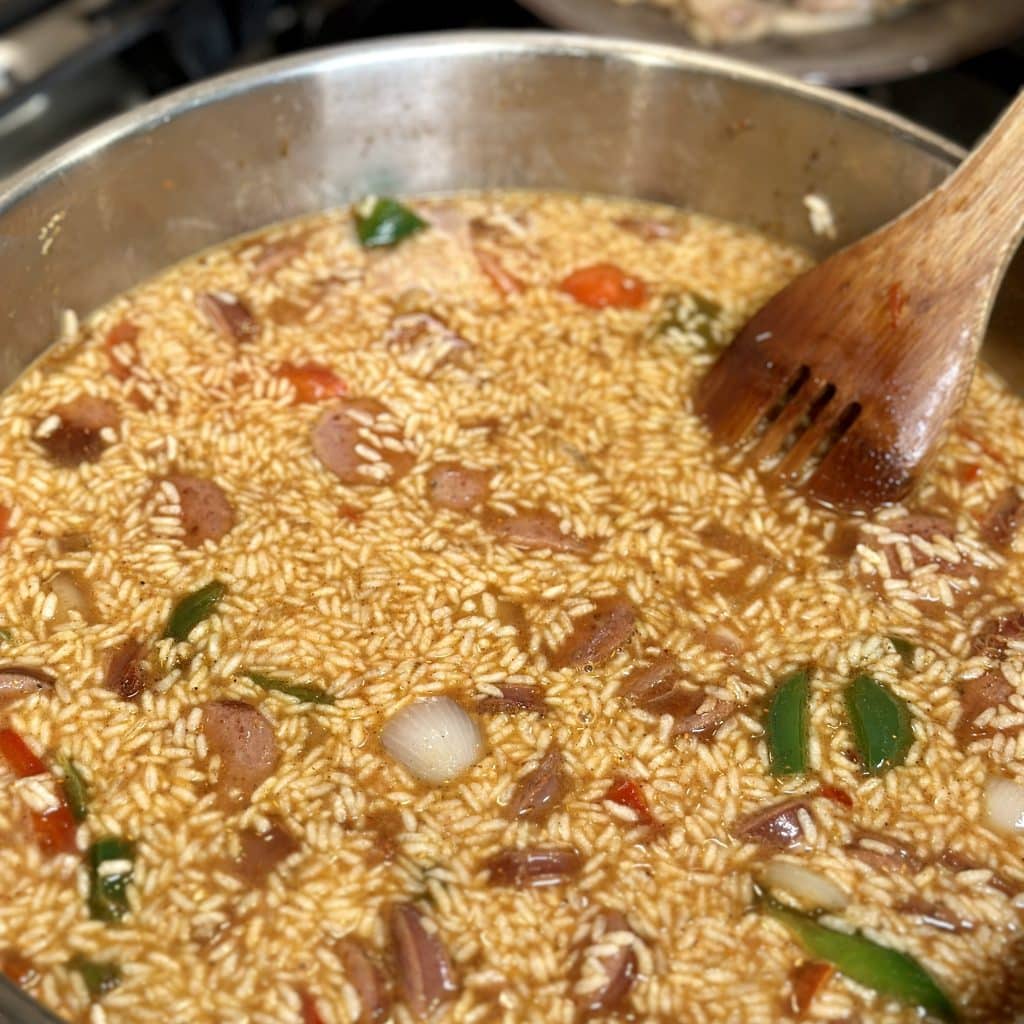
{"type": "Point", "coordinates": [846, 378]}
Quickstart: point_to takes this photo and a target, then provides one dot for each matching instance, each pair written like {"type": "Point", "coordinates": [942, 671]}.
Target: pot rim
{"type": "Point", "coordinates": [439, 46]}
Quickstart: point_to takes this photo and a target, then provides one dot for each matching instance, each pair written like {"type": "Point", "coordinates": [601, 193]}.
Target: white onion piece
{"type": "Point", "coordinates": [1004, 806]}
{"type": "Point", "coordinates": [73, 594]}
{"type": "Point", "coordinates": [433, 738]}
{"type": "Point", "coordinates": [812, 890]}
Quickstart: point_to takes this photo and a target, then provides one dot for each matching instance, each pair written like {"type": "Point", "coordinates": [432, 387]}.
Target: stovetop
{"type": "Point", "coordinates": [131, 50]}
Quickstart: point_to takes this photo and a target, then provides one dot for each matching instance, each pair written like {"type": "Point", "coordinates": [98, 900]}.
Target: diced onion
{"type": "Point", "coordinates": [1004, 806]}
{"type": "Point", "coordinates": [72, 595]}
{"type": "Point", "coordinates": [812, 890]}
{"type": "Point", "coordinates": [433, 738]}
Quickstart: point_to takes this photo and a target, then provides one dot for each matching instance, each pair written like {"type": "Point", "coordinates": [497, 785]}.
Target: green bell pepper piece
{"type": "Point", "coordinates": [193, 608]}
{"type": "Point", "coordinates": [886, 971]}
{"type": "Point", "coordinates": [76, 790]}
{"type": "Point", "coordinates": [881, 724]}
{"type": "Point", "coordinates": [305, 694]}
{"type": "Point", "coordinates": [108, 893]}
{"type": "Point", "coordinates": [785, 725]}
{"type": "Point", "coordinates": [100, 976]}
{"type": "Point", "coordinates": [386, 222]}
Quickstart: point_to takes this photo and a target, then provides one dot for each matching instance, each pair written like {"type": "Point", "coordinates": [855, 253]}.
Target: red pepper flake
{"type": "Point", "coordinates": [626, 792]}
{"type": "Point", "coordinates": [806, 980]}
{"type": "Point", "coordinates": [313, 382]}
{"type": "Point", "coordinates": [18, 756]}
{"type": "Point", "coordinates": [897, 302]}
{"type": "Point", "coordinates": [835, 794]}
{"type": "Point", "coordinates": [310, 1011]}
{"type": "Point", "coordinates": [969, 472]}
{"type": "Point", "coordinates": [605, 284]}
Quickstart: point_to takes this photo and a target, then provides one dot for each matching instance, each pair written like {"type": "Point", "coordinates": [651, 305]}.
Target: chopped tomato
{"type": "Point", "coordinates": [605, 284]}
{"type": "Point", "coordinates": [310, 1013]}
{"type": "Point", "coordinates": [836, 795]}
{"type": "Point", "coordinates": [55, 830]}
{"type": "Point", "coordinates": [121, 335]}
{"type": "Point", "coordinates": [16, 753]}
{"type": "Point", "coordinates": [5, 520]}
{"type": "Point", "coordinates": [506, 282]}
{"type": "Point", "coordinates": [806, 981]}
{"type": "Point", "coordinates": [313, 382]}
{"type": "Point", "coordinates": [626, 792]}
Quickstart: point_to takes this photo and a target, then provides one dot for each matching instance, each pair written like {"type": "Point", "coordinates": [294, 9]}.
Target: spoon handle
{"type": "Point", "coordinates": [979, 210]}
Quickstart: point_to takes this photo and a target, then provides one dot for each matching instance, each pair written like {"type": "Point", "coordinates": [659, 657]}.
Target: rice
{"type": "Point", "coordinates": [377, 596]}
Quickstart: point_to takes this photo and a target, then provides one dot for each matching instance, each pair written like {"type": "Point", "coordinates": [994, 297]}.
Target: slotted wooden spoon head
{"type": "Point", "coordinates": [844, 381]}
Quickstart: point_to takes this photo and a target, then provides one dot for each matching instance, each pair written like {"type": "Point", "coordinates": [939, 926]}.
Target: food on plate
{"type": "Point", "coordinates": [743, 21]}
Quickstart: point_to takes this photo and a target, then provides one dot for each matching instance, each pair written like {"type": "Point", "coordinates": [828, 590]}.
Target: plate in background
{"type": "Point", "coordinates": [932, 37]}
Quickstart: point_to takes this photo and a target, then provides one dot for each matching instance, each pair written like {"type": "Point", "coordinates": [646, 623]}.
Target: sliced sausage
{"type": "Point", "coordinates": [127, 671]}
{"type": "Point", "coordinates": [956, 862]}
{"type": "Point", "coordinates": [649, 686]}
{"type": "Point", "coordinates": [263, 852]}
{"type": "Point", "coordinates": [206, 513]}
{"type": "Point", "coordinates": [533, 867]}
{"type": "Point", "coordinates": [367, 979]}
{"type": "Point", "coordinates": [654, 688]}
{"type": "Point", "coordinates": [424, 343]}
{"type": "Point", "coordinates": [978, 695]}
{"type": "Point", "coordinates": [514, 697]}
{"type": "Point", "coordinates": [540, 791]}
{"type": "Point", "coordinates": [702, 716]}
{"type": "Point", "coordinates": [426, 974]}
{"type": "Point", "coordinates": [360, 442]}
{"type": "Point", "coordinates": [775, 827]}
{"type": "Point", "coordinates": [229, 315]}
{"type": "Point", "coordinates": [992, 640]}
{"type": "Point", "coordinates": [884, 852]}
{"type": "Point", "coordinates": [935, 915]}
{"type": "Point", "coordinates": [244, 739]}
{"type": "Point", "coordinates": [79, 432]}
{"type": "Point", "coordinates": [536, 529]}
{"type": "Point", "coordinates": [606, 968]}
{"type": "Point", "coordinates": [598, 634]}
{"type": "Point", "coordinates": [451, 485]}
{"type": "Point", "coordinates": [18, 681]}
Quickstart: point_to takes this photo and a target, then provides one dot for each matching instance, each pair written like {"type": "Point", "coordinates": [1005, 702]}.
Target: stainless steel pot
{"type": "Point", "coordinates": [435, 114]}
